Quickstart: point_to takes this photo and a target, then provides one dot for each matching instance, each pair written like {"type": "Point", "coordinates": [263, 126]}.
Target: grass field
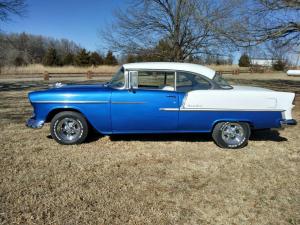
{"type": "Point", "coordinates": [145, 179]}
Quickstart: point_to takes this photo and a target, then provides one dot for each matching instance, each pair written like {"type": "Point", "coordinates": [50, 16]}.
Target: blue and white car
{"type": "Point", "coordinates": [161, 98]}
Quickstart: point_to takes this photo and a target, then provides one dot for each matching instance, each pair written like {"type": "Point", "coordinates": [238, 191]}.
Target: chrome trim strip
{"type": "Point", "coordinates": [72, 102]}
{"type": "Point", "coordinates": [223, 109]}
{"type": "Point", "coordinates": [169, 109]}
{"type": "Point", "coordinates": [128, 102]}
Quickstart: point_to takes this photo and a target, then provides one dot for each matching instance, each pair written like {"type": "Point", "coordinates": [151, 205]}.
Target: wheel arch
{"type": "Point", "coordinates": [55, 111]}
{"type": "Point", "coordinates": [232, 120]}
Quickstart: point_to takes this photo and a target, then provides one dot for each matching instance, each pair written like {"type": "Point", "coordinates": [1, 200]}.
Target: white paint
{"type": "Point", "coordinates": [240, 98]}
{"type": "Point", "coordinates": [194, 68]}
{"type": "Point", "coordinates": [293, 72]}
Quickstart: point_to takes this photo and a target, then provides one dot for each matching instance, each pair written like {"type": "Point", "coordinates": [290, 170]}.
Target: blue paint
{"type": "Point", "coordinates": [139, 111]}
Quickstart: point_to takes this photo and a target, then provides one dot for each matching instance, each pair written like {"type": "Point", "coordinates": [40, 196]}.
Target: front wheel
{"type": "Point", "coordinates": [69, 128]}
{"type": "Point", "coordinates": [231, 135]}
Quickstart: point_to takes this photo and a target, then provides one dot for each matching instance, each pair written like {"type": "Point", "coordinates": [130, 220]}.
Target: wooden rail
{"type": "Point", "coordinates": [47, 76]}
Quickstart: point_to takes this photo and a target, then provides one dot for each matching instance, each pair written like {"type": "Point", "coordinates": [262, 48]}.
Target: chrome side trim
{"type": "Point", "coordinates": [169, 109]}
{"type": "Point", "coordinates": [72, 102]}
{"type": "Point", "coordinates": [128, 102]}
{"type": "Point", "coordinates": [224, 109]}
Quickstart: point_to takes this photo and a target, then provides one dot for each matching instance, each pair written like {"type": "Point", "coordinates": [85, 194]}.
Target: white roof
{"type": "Point", "coordinates": [194, 68]}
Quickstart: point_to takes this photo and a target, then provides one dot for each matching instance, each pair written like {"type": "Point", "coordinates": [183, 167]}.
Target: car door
{"type": "Point", "coordinates": [146, 106]}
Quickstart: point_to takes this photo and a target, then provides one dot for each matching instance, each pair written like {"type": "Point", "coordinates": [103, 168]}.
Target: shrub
{"type": "Point", "coordinates": [244, 61]}
{"type": "Point", "coordinates": [19, 61]}
{"type": "Point", "coordinates": [279, 65]}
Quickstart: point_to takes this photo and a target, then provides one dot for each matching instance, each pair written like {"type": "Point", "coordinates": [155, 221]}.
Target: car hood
{"type": "Point", "coordinates": [75, 87]}
{"type": "Point", "coordinates": [61, 92]}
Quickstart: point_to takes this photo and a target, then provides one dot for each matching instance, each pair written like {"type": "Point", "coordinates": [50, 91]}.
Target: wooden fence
{"type": "Point", "coordinates": [90, 75]}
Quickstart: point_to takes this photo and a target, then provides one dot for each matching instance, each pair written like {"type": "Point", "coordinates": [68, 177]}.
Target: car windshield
{"type": "Point", "coordinates": [118, 80]}
{"type": "Point", "coordinates": [221, 81]}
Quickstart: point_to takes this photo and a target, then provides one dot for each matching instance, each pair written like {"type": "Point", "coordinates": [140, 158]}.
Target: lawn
{"type": "Point", "coordinates": [144, 179]}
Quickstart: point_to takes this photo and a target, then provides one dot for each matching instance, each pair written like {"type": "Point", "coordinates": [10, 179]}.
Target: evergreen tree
{"type": "Point", "coordinates": [82, 58]}
{"type": "Point", "coordinates": [244, 61]}
{"type": "Point", "coordinates": [110, 59]}
{"type": "Point", "coordinates": [96, 59]}
{"type": "Point", "coordinates": [68, 59]}
{"type": "Point", "coordinates": [51, 58]}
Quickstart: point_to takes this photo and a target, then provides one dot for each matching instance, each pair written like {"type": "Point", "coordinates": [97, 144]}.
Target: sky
{"type": "Point", "coordinates": [76, 20]}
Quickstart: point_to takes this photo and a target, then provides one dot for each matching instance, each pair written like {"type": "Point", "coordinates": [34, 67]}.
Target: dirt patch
{"type": "Point", "coordinates": [145, 179]}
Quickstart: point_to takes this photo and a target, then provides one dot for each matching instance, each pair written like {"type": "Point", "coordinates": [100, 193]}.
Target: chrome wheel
{"type": "Point", "coordinates": [232, 134]}
{"type": "Point", "coordinates": [69, 129]}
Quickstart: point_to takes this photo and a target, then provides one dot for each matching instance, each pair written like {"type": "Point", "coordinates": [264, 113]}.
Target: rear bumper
{"type": "Point", "coordinates": [287, 123]}
{"type": "Point", "coordinates": [34, 123]}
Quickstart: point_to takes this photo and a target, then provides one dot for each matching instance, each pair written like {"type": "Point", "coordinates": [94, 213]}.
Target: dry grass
{"type": "Point", "coordinates": [263, 76]}
{"type": "Point", "coordinates": [225, 67]}
{"type": "Point", "coordinates": [38, 69]}
{"type": "Point", "coordinates": [165, 179]}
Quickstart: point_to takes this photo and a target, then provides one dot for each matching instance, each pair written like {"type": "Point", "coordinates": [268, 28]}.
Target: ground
{"type": "Point", "coordinates": [145, 179]}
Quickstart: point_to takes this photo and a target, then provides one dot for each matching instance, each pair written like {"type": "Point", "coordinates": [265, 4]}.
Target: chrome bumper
{"type": "Point", "coordinates": [35, 124]}
{"type": "Point", "coordinates": [286, 123]}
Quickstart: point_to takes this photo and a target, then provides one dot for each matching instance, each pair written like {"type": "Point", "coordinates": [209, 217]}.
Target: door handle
{"type": "Point", "coordinates": [171, 96]}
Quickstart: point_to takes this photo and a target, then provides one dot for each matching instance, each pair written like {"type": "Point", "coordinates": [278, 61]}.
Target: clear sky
{"type": "Point", "coordinates": [77, 20]}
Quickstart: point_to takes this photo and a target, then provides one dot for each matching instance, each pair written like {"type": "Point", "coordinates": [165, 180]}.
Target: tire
{"type": "Point", "coordinates": [231, 135]}
{"type": "Point", "coordinates": [69, 128]}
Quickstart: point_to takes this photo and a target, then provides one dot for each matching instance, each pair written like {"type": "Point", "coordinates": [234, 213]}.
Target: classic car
{"type": "Point", "coordinates": [161, 98]}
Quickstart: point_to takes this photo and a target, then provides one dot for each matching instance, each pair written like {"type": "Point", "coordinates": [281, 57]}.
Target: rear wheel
{"type": "Point", "coordinates": [231, 135]}
{"type": "Point", "coordinates": [69, 128]}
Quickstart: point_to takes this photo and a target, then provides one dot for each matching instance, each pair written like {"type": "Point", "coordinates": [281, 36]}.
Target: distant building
{"type": "Point", "coordinates": [263, 62]}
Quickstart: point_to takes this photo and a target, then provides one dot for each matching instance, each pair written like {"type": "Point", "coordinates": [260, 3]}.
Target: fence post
{"type": "Point", "coordinates": [46, 75]}
{"type": "Point", "coordinates": [89, 74]}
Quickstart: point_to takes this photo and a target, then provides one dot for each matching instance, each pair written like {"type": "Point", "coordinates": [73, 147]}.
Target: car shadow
{"type": "Point", "coordinates": [267, 135]}
{"type": "Point", "coordinates": [262, 135]}
{"type": "Point", "coordinates": [192, 137]}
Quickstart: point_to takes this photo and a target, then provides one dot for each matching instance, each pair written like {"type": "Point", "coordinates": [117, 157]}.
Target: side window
{"type": "Point", "coordinates": [162, 80]}
{"type": "Point", "coordinates": [187, 82]}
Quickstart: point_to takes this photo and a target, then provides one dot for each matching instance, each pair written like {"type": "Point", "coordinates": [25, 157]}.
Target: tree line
{"type": "Point", "coordinates": [23, 49]}
{"type": "Point", "coordinates": [179, 30]}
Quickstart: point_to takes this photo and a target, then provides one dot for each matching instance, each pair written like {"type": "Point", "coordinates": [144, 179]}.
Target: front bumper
{"type": "Point", "coordinates": [34, 123]}
{"type": "Point", "coordinates": [287, 123]}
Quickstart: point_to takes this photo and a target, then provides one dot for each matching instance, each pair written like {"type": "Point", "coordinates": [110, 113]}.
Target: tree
{"type": "Point", "coordinates": [82, 58]}
{"type": "Point", "coordinates": [96, 59]}
{"type": "Point", "coordinates": [33, 48]}
{"type": "Point", "coordinates": [244, 61]}
{"type": "Point", "coordinates": [19, 61]}
{"type": "Point", "coordinates": [68, 59]}
{"type": "Point", "coordinates": [187, 27]}
{"type": "Point", "coordinates": [260, 21]}
{"type": "Point", "coordinates": [279, 65]}
{"type": "Point", "coordinates": [51, 58]}
{"type": "Point", "coordinates": [11, 7]}
{"type": "Point", "coordinates": [110, 59]}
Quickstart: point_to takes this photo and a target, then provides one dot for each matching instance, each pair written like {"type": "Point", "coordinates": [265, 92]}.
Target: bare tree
{"type": "Point", "coordinates": [259, 21]}
{"type": "Point", "coordinates": [178, 28]}
{"type": "Point", "coordinates": [11, 7]}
